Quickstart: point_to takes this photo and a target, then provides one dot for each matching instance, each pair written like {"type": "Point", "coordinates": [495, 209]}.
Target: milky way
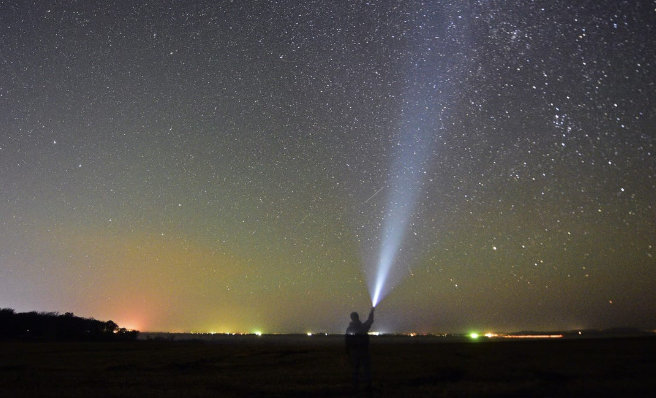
{"type": "Point", "coordinates": [229, 166]}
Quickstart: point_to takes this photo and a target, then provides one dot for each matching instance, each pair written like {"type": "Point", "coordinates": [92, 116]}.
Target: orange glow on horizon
{"type": "Point", "coordinates": [131, 326]}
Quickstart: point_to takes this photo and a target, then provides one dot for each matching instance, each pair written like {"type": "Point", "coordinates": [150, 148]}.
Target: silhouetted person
{"type": "Point", "coordinates": [357, 347]}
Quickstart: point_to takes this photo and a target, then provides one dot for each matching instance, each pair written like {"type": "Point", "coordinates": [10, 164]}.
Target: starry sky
{"type": "Point", "coordinates": [232, 165]}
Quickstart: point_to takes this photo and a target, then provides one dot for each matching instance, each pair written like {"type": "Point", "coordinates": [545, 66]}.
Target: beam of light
{"type": "Point", "coordinates": [402, 201]}
{"type": "Point", "coordinates": [428, 90]}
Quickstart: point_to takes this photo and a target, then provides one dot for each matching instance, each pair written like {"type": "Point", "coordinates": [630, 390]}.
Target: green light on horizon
{"type": "Point", "coordinates": [473, 335]}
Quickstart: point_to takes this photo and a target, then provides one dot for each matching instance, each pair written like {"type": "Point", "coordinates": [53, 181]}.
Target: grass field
{"type": "Point", "coordinates": [305, 367]}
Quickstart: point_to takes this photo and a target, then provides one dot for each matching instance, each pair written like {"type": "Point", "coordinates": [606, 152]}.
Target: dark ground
{"type": "Point", "coordinates": [300, 367]}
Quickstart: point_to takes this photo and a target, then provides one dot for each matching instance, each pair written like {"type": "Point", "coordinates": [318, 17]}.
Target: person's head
{"type": "Point", "coordinates": [355, 317]}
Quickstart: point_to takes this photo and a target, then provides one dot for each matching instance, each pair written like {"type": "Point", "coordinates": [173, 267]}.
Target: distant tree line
{"type": "Point", "coordinates": [54, 326]}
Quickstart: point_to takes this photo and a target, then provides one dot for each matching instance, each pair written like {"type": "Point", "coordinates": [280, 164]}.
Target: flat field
{"type": "Point", "coordinates": [300, 367]}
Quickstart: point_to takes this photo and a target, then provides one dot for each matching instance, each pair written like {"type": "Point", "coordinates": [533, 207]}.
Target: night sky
{"type": "Point", "coordinates": [232, 166]}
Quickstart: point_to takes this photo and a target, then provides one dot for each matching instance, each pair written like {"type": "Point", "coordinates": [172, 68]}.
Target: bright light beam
{"type": "Point", "coordinates": [402, 201]}
{"type": "Point", "coordinates": [429, 88]}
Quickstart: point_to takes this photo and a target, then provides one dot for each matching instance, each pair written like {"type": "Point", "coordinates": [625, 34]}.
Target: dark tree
{"type": "Point", "coordinates": [53, 326]}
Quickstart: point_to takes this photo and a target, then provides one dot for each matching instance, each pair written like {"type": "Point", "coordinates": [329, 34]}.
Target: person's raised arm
{"type": "Point", "coordinates": [370, 319]}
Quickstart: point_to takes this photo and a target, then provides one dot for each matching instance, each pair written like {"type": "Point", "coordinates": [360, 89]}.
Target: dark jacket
{"type": "Point", "coordinates": [357, 337]}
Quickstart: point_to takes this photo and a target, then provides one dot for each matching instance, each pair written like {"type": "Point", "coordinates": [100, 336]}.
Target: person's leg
{"type": "Point", "coordinates": [355, 363]}
{"type": "Point", "coordinates": [365, 362]}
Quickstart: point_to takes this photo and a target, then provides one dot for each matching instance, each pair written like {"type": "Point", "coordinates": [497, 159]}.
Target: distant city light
{"type": "Point", "coordinates": [492, 335]}
{"type": "Point", "coordinates": [532, 336]}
